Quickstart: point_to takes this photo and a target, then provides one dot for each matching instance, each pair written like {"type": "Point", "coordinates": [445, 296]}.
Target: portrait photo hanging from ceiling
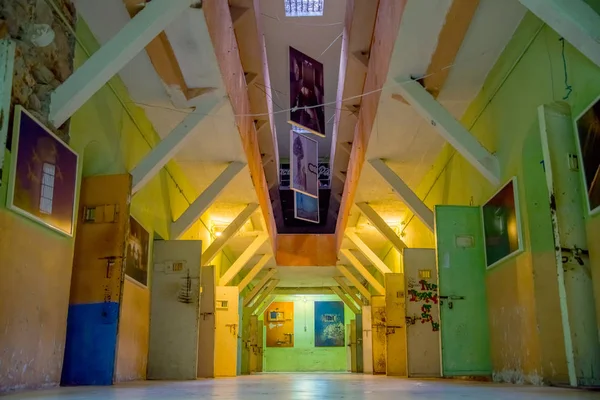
{"type": "Point", "coordinates": [304, 164]}
{"type": "Point", "coordinates": [306, 93]}
{"type": "Point", "coordinates": [501, 224]}
{"type": "Point", "coordinates": [43, 175]}
{"type": "Point", "coordinates": [588, 135]}
{"type": "Point", "coordinates": [306, 208]}
{"type": "Point", "coordinates": [138, 247]}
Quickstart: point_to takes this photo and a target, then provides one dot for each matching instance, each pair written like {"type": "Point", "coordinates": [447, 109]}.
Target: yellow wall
{"type": "Point", "coordinates": [304, 356]}
{"type": "Point", "coordinates": [526, 334]}
{"type": "Point", "coordinates": [113, 135]}
{"type": "Point", "coordinates": [36, 263]}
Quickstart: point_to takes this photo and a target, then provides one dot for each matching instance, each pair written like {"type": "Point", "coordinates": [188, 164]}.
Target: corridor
{"type": "Point", "coordinates": [308, 387]}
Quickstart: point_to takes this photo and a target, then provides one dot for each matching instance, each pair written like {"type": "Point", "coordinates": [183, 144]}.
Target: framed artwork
{"type": "Point", "coordinates": [279, 323]}
{"type": "Point", "coordinates": [587, 126]}
{"type": "Point", "coordinates": [329, 324]}
{"type": "Point", "coordinates": [306, 93]}
{"type": "Point", "coordinates": [304, 166]}
{"type": "Point", "coordinates": [43, 175]}
{"type": "Point", "coordinates": [306, 208]}
{"type": "Point", "coordinates": [138, 247]}
{"type": "Point", "coordinates": [502, 224]}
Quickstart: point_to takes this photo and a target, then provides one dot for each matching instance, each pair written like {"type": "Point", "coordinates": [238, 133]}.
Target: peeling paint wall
{"type": "Point", "coordinates": [524, 311]}
{"type": "Point", "coordinates": [35, 263]}
{"type": "Point", "coordinates": [304, 356]}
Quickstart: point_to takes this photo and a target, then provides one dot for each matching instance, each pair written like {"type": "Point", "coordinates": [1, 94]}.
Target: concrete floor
{"type": "Point", "coordinates": [307, 387]}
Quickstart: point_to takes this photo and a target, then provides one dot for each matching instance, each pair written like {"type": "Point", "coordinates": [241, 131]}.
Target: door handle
{"type": "Point", "coordinates": [450, 299]}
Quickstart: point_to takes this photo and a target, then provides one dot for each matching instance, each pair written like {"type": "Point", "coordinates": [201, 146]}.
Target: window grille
{"type": "Point", "coordinates": [303, 8]}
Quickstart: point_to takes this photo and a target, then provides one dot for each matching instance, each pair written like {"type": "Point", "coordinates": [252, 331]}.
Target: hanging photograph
{"type": "Point", "coordinates": [306, 93]}
{"type": "Point", "coordinates": [501, 224]}
{"type": "Point", "coordinates": [588, 135]}
{"type": "Point", "coordinates": [138, 246]}
{"type": "Point", "coordinates": [304, 165]}
{"type": "Point", "coordinates": [329, 324]}
{"type": "Point", "coordinates": [43, 175]}
{"type": "Point", "coordinates": [306, 208]}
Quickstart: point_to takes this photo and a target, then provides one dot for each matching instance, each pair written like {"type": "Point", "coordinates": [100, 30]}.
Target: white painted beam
{"type": "Point", "coordinates": [262, 308]}
{"type": "Point", "coordinates": [574, 20]}
{"type": "Point", "coordinates": [405, 193]}
{"type": "Point", "coordinates": [160, 155]}
{"type": "Point", "coordinates": [254, 271]}
{"type": "Point", "coordinates": [7, 62]}
{"type": "Point", "coordinates": [359, 286]}
{"type": "Point", "coordinates": [347, 289]}
{"type": "Point", "coordinates": [363, 271]}
{"type": "Point", "coordinates": [243, 259]}
{"type": "Point", "coordinates": [112, 57]}
{"type": "Point", "coordinates": [201, 204]}
{"type": "Point", "coordinates": [256, 289]}
{"type": "Point", "coordinates": [381, 226]}
{"type": "Point", "coordinates": [266, 293]}
{"type": "Point", "coordinates": [450, 129]}
{"type": "Point", "coordinates": [337, 290]}
{"type": "Point", "coordinates": [370, 254]}
{"type": "Point", "coordinates": [299, 291]}
{"type": "Point", "coordinates": [346, 146]}
{"type": "Point", "coordinates": [220, 241]}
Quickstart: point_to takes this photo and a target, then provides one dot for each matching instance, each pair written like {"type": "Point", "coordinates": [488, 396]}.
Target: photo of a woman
{"type": "Point", "coordinates": [306, 93]}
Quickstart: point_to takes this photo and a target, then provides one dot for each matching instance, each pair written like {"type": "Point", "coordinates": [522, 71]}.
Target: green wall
{"type": "Point", "coordinates": [522, 292]}
{"type": "Point", "coordinates": [304, 356]}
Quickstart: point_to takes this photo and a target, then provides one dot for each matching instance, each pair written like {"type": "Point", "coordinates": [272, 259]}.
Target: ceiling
{"type": "Point", "coordinates": [317, 37]}
{"type": "Point", "coordinates": [407, 143]}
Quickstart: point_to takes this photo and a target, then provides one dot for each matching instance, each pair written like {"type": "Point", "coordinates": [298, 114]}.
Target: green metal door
{"type": "Point", "coordinates": [465, 342]}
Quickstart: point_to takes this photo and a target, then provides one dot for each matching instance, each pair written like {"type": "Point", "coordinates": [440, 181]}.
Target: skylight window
{"type": "Point", "coordinates": [303, 8]}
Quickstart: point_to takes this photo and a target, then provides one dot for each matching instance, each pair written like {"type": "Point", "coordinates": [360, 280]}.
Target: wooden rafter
{"type": "Point", "coordinates": [220, 28]}
{"type": "Point", "coordinates": [389, 16]}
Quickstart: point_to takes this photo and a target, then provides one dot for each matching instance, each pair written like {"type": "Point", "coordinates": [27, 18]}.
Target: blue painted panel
{"type": "Point", "coordinates": [91, 344]}
{"type": "Point", "coordinates": [329, 324]}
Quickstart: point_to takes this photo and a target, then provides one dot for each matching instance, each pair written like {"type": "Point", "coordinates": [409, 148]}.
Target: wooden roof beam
{"type": "Point", "coordinates": [220, 27]}
{"type": "Point", "coordinates": [387, 25]}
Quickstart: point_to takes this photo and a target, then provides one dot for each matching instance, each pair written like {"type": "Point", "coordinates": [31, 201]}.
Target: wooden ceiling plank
{"type": "Point", "coordinates": [164, 151]}
{"type": "Point", "coordinates": [232, 229]}
{"type": "Point", "coordinates": [220, 28]}
{"type": "Point", "coordinates": [389, 16]}
{"type": "Point", "coordinates": [450, 39]}
{"type": "Point", "coordinates": [405, 193]}
{"type": "Point", "coordinates": [112, 57]}
{"type": "Point", "coordinates": [242, 260]}
{"type": "Point", "coordinates": [204, 201]}
{"type": "Point", "coordinates": [347, 301]}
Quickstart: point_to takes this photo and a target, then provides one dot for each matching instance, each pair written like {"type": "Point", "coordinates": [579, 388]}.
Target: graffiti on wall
{"type": "Point", "coordinates": [425, 292]}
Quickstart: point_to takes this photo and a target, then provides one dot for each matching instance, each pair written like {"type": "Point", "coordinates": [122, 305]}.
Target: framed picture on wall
{"type": "Point", "coordinates": [329, 324]}
{"type": "Point", "coordinates": [502, 225]}
{"type": "Point", "coordinates": [43, 175]}
{"type": "Point", "coordinates": [279, 324]}
{"type": "Point", "coordinates": [138, 247]}
{"type": "Point", "coordinates": [587, 126]}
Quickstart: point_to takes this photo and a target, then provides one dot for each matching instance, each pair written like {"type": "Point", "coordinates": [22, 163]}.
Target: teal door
{"type": "Point", "coordinates": [465, 342]}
